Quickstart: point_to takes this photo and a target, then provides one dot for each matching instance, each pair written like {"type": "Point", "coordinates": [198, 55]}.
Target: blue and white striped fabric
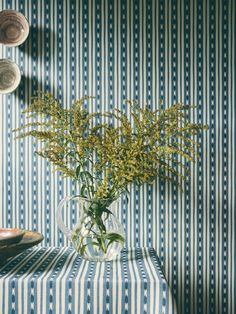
{"type": "Point", "coordinates": [57, 280]}
{"type": "Point", "coordinates": [174, 50]}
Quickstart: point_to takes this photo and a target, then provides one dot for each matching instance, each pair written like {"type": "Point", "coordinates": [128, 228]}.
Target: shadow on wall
{"type": "Point", "coordinates": [39, 37]}
{"type": "Point", "coordinates": [39, 48]}
{"type": "Point", "coordinates": [25, 92]}
{"type": "Point", "coordinates": [197, 264]}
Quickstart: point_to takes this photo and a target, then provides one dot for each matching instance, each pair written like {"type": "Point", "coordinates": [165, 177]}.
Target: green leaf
{"type": "Point", "coordinates": [115, 237]}
{"type": "Point", "coordinates": [103, 245]}
{"type": "Point", "coordinates": [86, 174]}
{"type": "Point", "coordinates": [82, 191]}
{"type": "Point", "coordinates": [77, 171]}
{"type": "Point", "coordinates": [100, 223]}
{"type": "Point", "coordinates": [82, 249]}
{"type": "Point", "coordinates": [96, 244]}
{"type": "Point", "coordinates": [108, 213]}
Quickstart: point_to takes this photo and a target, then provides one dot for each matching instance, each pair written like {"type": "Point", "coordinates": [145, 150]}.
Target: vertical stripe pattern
{"type": "Point", "coordinates": [57, 280]}
{"type": "Point", "coordinates": [158, 52]}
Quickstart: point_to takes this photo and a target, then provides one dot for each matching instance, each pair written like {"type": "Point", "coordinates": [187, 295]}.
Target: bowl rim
{"type": "Point", "coordinates": [18, 73]}
{"type": "Point", "coordinates": [13, 238]}
{"type": "Point", "coordinates": [26, 30]}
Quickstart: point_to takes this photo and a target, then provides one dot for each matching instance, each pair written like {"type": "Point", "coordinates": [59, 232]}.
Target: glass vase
{"type": "Point", "coordinates": [98, 235]}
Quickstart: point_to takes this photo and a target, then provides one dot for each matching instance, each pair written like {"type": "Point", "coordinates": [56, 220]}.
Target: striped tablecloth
{"type": "Point", "coordinates": [57, 280]}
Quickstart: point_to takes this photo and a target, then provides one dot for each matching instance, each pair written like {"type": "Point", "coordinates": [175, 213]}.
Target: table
{"type": "Point", "coordinates": [57, 280]}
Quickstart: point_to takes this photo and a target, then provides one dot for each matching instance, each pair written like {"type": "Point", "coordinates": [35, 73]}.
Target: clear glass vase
{"type": "Point", "coordinates": [98, 235]}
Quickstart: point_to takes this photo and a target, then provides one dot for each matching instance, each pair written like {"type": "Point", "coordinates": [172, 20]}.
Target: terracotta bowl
{"type": "Point", "coordinates": [14, 28]}
{"type": "Point", "coordinates": [10, 236]}
{"type": "Point", "coordinates": [9, 76]}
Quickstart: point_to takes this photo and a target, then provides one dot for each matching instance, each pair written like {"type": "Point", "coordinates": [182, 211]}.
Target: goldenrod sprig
{"type": "Point", "coordinates": [106, 159]}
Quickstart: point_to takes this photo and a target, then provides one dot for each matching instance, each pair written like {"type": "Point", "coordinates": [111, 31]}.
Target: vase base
{"type": "Point", "coordinates": [112, 255]}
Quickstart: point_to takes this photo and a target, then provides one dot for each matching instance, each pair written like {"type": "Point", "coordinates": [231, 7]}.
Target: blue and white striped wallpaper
{"type": "Point", "coordinates": [146, 50]}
